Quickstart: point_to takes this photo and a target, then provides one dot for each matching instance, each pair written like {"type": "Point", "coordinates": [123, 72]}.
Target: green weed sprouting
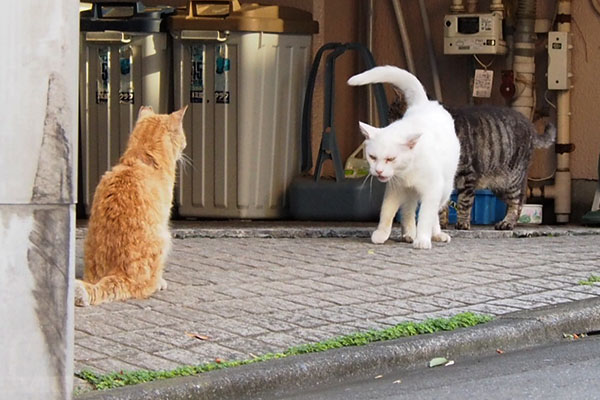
{"type": "Point", "coordinates": [124, 378]}
{"type": "Point", "coordinates": [590, 281]}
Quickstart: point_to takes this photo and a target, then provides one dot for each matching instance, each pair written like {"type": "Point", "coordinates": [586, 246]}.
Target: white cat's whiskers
{"type": "Point", "coordinates": [368, 178]}
{"type": "Point", "coordinates": [365, 180]}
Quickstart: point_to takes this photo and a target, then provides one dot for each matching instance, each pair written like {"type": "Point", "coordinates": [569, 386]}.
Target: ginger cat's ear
{"type": "Point", "coordinates": [145, 111]}
{"type": "Point", "coordinates": [176, 117]}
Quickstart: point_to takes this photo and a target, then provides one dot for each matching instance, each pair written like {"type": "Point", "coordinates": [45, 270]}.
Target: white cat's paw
{"type": "Point", "coordinates": [82, 298]}
{"type": "Point", "coordinates": [422, 244]}
{"type": "Point", "coordinates": [162, 284]}
{"type": "Point", "coordinates": [441, 237]}
{"type": "Point", "coordinates": [380, 236]}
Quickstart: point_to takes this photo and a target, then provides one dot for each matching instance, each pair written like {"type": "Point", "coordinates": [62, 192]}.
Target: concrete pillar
{"type": "Point", "coordinates": [38, 149]}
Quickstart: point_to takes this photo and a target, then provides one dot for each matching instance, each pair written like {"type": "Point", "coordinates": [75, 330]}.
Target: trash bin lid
{"type": "Point", "coordinates": [228, 15]}
{"type": "Point", "coordinates": [124, 17]}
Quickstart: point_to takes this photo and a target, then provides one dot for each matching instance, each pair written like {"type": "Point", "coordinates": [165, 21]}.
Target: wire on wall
{"type": "Point", "coordinates": [596, 5]}
{"type": "Point", "coordinates": [485, 66]}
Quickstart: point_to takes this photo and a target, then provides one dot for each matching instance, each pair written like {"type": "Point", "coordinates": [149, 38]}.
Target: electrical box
{"type": "Point", "coordinates": [474, 34]}
{"type": "Point", "coordinates": [558, 60]}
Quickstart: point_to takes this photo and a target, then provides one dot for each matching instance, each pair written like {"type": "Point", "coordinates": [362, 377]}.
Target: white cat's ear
{"type": "Point", "coordinates": [144, 112]}
{"type": "Point", "coordinates": [412, 140]}
{"type": "Point", "coordinates": [367, 130]}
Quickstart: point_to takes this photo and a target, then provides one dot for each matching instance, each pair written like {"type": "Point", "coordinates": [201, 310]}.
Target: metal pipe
{"type": "Point", "coordinates": [560, 191]}
{"type": "Point", "coordinates": [524, 57]}
{"type": "Point", "coordinates": [370, 98]}
{"type": "Point", "coordinates": [457, 7]}
{"type": "Point", "coordinates": [562, 201]}
{"type": "Point", "coordinates": [497, 5]}
{"type": "Point", "coordinates": [408, 55]}
{"type": "Point", "coordinates": [472, 6]}
{"type": "Point", "coordinates": [436, 77]}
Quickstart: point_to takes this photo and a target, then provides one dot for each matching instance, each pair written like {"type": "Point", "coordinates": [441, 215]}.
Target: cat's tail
{"type": "Point", "coordinates": [404, 81]}
{"type": "Point", "coordinates": [547, 139]}
{"type": "Point", "coordinates": [109, 288]}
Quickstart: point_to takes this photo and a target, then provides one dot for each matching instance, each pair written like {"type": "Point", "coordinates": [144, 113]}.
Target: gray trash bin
{"type": "Point", "coordinates": [242, 70]}
{"type": "Point", "coordinates": [124, 64]}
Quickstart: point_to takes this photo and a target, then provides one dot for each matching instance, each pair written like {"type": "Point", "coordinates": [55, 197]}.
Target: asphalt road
{"type": "Point", "coordinates": [566, 370]}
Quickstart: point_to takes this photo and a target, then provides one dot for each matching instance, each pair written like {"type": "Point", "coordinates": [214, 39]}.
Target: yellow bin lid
{"type": "Point", "coordinates": [229, 15]}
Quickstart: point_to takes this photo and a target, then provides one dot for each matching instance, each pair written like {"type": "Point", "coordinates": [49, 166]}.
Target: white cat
{"type": "Point", "coordinates": [417, 156]}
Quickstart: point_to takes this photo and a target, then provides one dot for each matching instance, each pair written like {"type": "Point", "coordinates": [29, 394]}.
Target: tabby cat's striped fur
{"type": "Point", "coordinates": [496, 148]}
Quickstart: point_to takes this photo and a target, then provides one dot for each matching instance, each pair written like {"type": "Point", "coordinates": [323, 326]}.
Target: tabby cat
{"type": "Point", "coordinates": [496, 148]}
{"type": "Point", "coordinates": [128, 235]}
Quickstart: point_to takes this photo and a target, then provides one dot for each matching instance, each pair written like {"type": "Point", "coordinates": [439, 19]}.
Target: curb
{"type": "Point", "coordinates": [303, 231]}
{"type": "Point", "coordinates": [510, 332]}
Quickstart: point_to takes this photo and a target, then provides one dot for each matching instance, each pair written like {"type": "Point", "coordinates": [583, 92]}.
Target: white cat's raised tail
{"type": "Point", "coordinates": [416, 156]}
{"type": "Point", "coordinates": [402, 80]}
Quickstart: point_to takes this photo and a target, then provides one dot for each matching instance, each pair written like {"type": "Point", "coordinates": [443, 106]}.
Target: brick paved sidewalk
{"type": "Point", "coordinates": [251, 296]}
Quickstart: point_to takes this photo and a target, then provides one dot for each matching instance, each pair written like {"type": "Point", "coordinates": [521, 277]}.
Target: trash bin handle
{"type": "Point", "coordinates": [108, 36]}
{"type": "Point", "coordinates": [232, 5]}
{"type": "Point", "coordinates": [99, 8]}
{"type": "Point", "coordinates": [204, 35]}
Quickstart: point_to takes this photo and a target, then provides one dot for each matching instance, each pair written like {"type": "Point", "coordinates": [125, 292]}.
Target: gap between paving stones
{"type": "Point", "coordinates": [510, 332]}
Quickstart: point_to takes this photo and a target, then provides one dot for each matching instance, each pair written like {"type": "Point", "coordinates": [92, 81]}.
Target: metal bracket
{"type": "Point", "coordinates": [561, 148]}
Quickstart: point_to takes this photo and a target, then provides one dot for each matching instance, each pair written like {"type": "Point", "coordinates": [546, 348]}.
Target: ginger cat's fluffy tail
{"type": "Point", "coordinates": [111, 288]}
{"type": "Point", "coordinates": [403, 81]}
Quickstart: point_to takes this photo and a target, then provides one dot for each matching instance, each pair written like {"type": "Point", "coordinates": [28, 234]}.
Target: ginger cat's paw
{"type": "Point", "coordinates": [82, 299]}
{"type": "Point", "coordinates": [380, 236]}
{"type": "Point", "coordinates": [162, 284]}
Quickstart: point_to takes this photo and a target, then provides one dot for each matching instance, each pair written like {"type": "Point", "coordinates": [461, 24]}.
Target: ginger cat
{"type": "Point", "coordinates": [128, 236]}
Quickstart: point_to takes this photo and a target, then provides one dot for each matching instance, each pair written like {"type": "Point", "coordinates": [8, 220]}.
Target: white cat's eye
{"type": "Point", "coordinates": [372, 157]}
{"type": "Point", "coordinates": [390, 159]}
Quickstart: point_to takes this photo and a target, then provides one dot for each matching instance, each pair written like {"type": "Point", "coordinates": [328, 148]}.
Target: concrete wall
{"type": "Point", "coordinates": [38, 110]}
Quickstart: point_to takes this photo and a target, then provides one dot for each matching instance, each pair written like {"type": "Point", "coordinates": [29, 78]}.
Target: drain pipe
{"type": "Point", "coordinates": [370, 96]}
{"type": "Point", "coordinates": [524, 57]}
{"type": "Point", "coordinates": [408, 54]}
{"type": "Point", "coordinates": [432, 60]}
{"type": "Point", "coordinates": [561, 190]}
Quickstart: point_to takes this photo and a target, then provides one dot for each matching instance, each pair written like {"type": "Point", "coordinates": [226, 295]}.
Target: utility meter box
{"type": "Point", "coordinates": [242, 70]}
{"type": "Point", "coordinates": [474, 34]}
